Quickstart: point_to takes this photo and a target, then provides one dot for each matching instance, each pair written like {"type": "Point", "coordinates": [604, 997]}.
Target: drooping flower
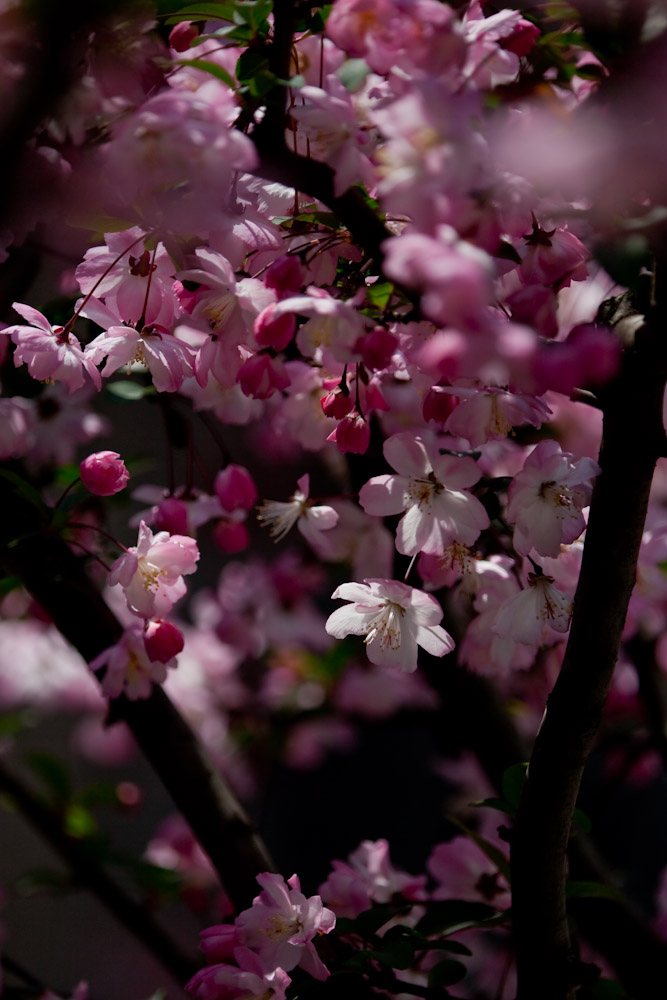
{"type": "Point", "coordinates": [129, 667]}
{"type": "Point", "coordinates": [394, 618]}
{"type": "Point", "coordinates": [151, 573]}
{"type": "Point", "coordinates": [431, 490]}
{"type": "Point", "coordinates": [247, 981]}
{"type": "Point", "coordinates": [52, 353]}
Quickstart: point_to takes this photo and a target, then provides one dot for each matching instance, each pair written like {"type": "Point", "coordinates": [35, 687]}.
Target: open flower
{"type": "Point", "coordinates": [130, 670]}
{"type": "Point", "coordinates": [51, 353]}
{"type": "Point", "coordinates": [151, 573]}
{"type": "Point", "coordinates": [394, 618]}
{"type": "Point", "coordinates": [281, 924]}
{"type": "Point", "coordinates": [436, 514]}
{"type": "Point", "coordinates": [310, 520]}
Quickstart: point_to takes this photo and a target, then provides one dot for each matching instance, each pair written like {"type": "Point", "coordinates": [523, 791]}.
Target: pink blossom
{"type": "Point", "coordinates": [352, 434]}
{"type": "Point", "coordinates": [104, 473]}
{"type": "Point", "coordinates": [260, 376]}
{"type": "Point", "coordinates": [525, 617]}
{"type": "Point", "coordinates": [247, 982]}
{"type": "Point", "coordinates": [463, 871]}
{"type": "Point", "coordinates": [285, 276]}
{"type": "Point", "coordinates": [52, 353]}
{"type": "Point", "coordinates": [554, 258]}
{"type": "Point", "coordinates": [311, 520]}
{"type": "Point", "coordinates": [138, 283]}
{"type": "Point", "coordinates": [431, 490]}
{"type": "Point", "coordinates": [230, 536]}
{"type": "Point", "coordinates": [18, 422]}
{"type": "Point", "coordinates": [546, 499]}
{"type": "Point", "coordinates": [368, 877]}
{"type": "Point", "coordinates": [281, 924]}
{"type": "Point", "coordinates": [235, 488]}
{"type": "Point", "coordinates": [394, 618]}
{"type": "Point", "coordinates": [168, 359]}
{"type": "Point", "coordinates": [487, 412]}
{"type": "Point", "coordinates": [415, 35]}
{"type": "Point", "coordinates": [181, 35]}
{"type": "Point", "coordinates": [129, 669]}
{"type": "Point", "coordinates": [151, 573]}
{"type": "Point", "coordinates": [274, 331]}
{"type": "Point", "coordinates": [162, 640]}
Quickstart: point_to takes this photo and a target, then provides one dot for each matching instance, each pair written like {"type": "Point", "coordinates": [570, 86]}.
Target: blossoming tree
{"type": "Point", "coordinates": [397, 267]}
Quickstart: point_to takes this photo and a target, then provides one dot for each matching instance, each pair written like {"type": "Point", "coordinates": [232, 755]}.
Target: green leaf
{"type": "Point", "coordinates": [450, 945]}
{"type": "Point", "coordinates": [42, 879]}
{"type": "Point", "coordinates": [129, 391]}
{"type": "Point", "coordinates": [582, 820]}
{"type": "Point", "coordinates": [368, 922]}
{"type": "Point", "coordinates": [53, 774]}
{"type": "Point", "coordinates": [325, 219]}
{"type": "Point", "coordinates": [25, 491]}
{"type": "Point", "coordinates": [450, 915]}
{"type": "Point", "coordinates": [79, 822]}
{"type": "Point", "coordinates": [352, 73]}
{"type": "Point", "coordinates": [223, 11]}
{"type": "Point", "coordinates": [446, 973]}
{"type": "Point", "coordinates": [9, 583]}
{"type": "Point", "coordinates": [513, 781]}
{"type": "Point", "coordinates": [397, 954]}
{"type": "Point", "coordinates": [592, 890]}
{"type": "Point", "coordinates": [380, 293]}
{"type": "Point", "coordinates": [210, 67]}
{"type": "Point", "coordinates": [607, 989]}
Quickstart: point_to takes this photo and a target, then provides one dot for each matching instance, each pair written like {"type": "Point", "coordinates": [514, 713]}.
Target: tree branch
{"type": "Point", "coordinates": [88, 874]}
{"type": "Point", "coordinates": [632, 441]}
{"type": "Point", "coordinates": [56, 578]}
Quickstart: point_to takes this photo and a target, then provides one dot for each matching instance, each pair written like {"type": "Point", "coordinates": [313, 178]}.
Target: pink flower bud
{"type": "Point", "coordinates": [231, 536]}
{"type": "Point", "coordinates": [162, 641]}
{"type": "Point", "coordinates": [274, 331]}
{"type": "Point", "coordinates": [104, 473]}
{"type": "Point", "coordinates": [377, 348]}
{"type": "Point", "coordinates": [522, 39]}
{"type": "Point", "coordinates": [172, 516]}
{"type": "Point", "coordinates": [261, 375]}
{"type": "Point", "coordinates": [181, 35]}
{"type": "Point", "coordinates": [352, 434]}
{"type": "Point", "coordinates": [336, 404]}
{"type": "Point", "coordinates": [235, 489]}
{"type": "Point", "coordinates": [218, 943]}
{"type": "Point", "coordinates": [285, 276]}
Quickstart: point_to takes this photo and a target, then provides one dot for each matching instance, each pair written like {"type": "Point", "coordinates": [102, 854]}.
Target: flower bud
{"type": "Point", "coordinates": [172, 515]}
{"type": "Point", "coordinates": [162, 641]}
{"type": "Point", "coordinates": [352, 434]}
{"type": "Point", "coordinates": [336, 404]}
{"type": "Point", "coordinates": [181, 35]}
{"type": "Point", "coordinates": [104, 473]}
{"type": "Point", "coordinates": [235, 489]}
{"type": "Point", "coordinates": [231, 536]}
{"type": "Point", "coordinates": [285, 276]}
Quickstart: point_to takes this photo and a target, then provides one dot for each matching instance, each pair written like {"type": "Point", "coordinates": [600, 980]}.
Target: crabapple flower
{"type": "Point", "coordinates": [281, 924]}
{"type": "Point", "coordinates": [311, 521]}
{"type": "Point", "coordinates": [394, 618]}
{"type": "Point", "coordinates": [129, 667]}
{"type": "Point", "coordinates": [151, 573]}
{"type": "Point", "coordinates": [523, 618]}
{"type": "Point", "coordinates": [489, 412]}
{"type": "Point", "coordinates": [104, 473]}
{"type": "Point", "coordinates": [546, 499]}
{"type": "Point", "coordinates": [368, 877]}
{"type": "Point", "coordinates": [247, 981]}
{"type": "Point", "coordinates": [52, 353]}
{"type": "Point", "coordinates": [436, 514]}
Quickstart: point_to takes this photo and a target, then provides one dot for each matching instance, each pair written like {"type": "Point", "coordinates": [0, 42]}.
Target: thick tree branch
{"type": "Point", "coordinates": [56, 578]}
{"type": "Point", "coordinates": [633, 438]}
{"type": "Point", "coordinates": [89, 875]}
